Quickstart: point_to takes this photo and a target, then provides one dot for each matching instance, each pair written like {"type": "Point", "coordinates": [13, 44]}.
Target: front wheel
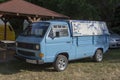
{"type": "Point", "coordinates": [61, 63]}
{"type": "Point", "coordinates": [98, 57]}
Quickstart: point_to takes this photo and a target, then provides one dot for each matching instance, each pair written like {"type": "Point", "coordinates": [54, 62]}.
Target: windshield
{"type": "Point", "coordinates": [36, 29]}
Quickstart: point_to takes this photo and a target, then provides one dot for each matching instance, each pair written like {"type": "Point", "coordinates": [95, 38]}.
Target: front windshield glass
{"type": "Point", "coordinates": [36, 29]}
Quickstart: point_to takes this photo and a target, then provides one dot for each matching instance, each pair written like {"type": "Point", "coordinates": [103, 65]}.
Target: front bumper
{"type": "Point", "coordinates": [29, 60]}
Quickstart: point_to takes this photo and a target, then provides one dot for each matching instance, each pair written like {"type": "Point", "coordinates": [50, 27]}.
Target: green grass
{"type": "Point", "coordinates": [108, 69]}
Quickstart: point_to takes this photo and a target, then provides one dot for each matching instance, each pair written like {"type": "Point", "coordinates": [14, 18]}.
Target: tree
{"type": "Point", "coordinates": [107, 11]}
{"type": "Point", "coordinates": [3, 1]}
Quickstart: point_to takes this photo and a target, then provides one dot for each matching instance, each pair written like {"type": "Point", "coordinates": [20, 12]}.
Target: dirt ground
{"type": "Point", "coordinates": [6, 55]}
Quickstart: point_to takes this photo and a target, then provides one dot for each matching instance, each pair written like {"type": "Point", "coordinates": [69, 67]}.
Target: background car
{"type": "Point", "coordinates": [114, 40]}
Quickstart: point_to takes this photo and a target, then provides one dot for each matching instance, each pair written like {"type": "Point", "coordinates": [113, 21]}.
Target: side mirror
{"type": "Point", "coordinates": [51, 35]}
{"type": "Point", "coordinates": [57, 34]}
{"type": "Point", "coordinates": [54, 34]}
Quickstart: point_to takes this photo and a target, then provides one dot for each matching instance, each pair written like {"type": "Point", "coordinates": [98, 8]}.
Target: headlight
{"type": "Point", "coordinates": [37, 47]}
{"type": "Point", "coordinates": [113, 40]}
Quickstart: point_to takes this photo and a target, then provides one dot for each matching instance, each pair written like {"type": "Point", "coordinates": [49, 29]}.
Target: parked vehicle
{"type": "Point", "coordinates": [114, 40]}
{"type": "Point", "coordinates": [10, 34]}
{"type": "Point", "coordinates": [61, 41]}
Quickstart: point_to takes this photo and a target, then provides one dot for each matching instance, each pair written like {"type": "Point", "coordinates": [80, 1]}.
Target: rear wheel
{"type": "Point", "coordinates": [98, 57]}
{"type": "Point", "coordinates": [61, 63]}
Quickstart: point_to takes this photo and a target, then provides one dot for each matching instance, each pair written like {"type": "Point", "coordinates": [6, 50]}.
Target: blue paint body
{"type": "Point", "coordinates": [76, 47]}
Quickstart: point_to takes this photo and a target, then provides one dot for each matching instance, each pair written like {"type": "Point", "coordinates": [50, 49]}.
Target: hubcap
{"type": "Point", "coordinates": [99, 55]}
{"type": "Point", "coordinates": [62, 64]}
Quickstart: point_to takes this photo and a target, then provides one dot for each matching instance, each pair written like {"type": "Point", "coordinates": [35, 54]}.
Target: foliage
{"type": "Point", "coordinates": [3, 1]}
{"type": "Point", "coordinates": [85, 9]}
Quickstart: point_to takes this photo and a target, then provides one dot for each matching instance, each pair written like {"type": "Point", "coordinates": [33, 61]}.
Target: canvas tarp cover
{"type": "Point", "coordinates": [85, 28]}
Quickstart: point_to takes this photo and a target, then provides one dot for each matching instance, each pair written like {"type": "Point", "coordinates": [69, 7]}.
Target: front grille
{"type": "Point", "coordinates": [26, 53]}
{"type": "Point", "coordinates": [26, 45]}
{"type": "Point", "coordinates": [118, 45]}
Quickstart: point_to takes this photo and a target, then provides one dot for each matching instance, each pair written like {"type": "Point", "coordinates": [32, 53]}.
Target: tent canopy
{"type": "Point", "coordinates": [23, 8]}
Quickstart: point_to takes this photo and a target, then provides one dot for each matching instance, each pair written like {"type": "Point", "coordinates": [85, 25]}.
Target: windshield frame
{"type": "Point", "coordinates": [36, 27]}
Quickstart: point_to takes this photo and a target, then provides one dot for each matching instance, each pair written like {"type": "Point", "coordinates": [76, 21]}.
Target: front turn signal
{"type": "Point", "coordinates": [41, 55]}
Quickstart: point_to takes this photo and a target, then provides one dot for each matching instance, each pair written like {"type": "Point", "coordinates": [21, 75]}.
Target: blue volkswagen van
{"type": "Point", "coordinates": [58, 42]}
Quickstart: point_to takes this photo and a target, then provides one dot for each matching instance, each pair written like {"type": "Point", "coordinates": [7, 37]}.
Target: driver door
{"type": "Point", "coordinates": [57, 41]}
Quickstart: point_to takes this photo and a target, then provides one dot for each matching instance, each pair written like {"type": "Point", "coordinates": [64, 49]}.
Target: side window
{"type": "Point", "coordinates": [59, 31]}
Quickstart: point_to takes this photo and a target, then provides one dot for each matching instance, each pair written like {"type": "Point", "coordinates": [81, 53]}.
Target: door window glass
{"type": "Point", "coordinates": [59, 31]}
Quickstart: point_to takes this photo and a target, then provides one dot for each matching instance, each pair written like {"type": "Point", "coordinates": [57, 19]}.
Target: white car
{"type": "Point", "coordinates": [114, 40]}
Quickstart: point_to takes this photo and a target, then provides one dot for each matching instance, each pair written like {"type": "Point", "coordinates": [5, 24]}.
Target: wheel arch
{"type": "Point", "coordinates": [99, 49]}
{"type": "Point", "coordinates": [96, 50]}
{"type": "Point", "coordinates": [62, 53]}
{"type": "Point", "coordinates": [97, 58]}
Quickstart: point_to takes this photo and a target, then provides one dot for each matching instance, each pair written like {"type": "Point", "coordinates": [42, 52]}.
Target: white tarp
{"type": "Point", "coordinates": [81, 28]}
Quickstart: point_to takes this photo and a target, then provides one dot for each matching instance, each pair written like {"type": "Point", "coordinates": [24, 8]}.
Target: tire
{"type": "Point", "coordinates": [60, 63]}
{"type": "Point", "coordinates": [98, 57]}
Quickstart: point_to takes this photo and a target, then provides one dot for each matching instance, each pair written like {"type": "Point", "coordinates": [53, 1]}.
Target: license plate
{"type": "Point", "coordinates": [31, 61]}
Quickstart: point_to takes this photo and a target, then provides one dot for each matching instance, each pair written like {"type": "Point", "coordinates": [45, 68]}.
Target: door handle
{"type": "Point", "coordinates": [68, 42]}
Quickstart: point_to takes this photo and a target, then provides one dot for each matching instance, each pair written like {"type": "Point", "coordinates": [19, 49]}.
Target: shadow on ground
{"type": "Point", "coordinates": [16, 66]}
